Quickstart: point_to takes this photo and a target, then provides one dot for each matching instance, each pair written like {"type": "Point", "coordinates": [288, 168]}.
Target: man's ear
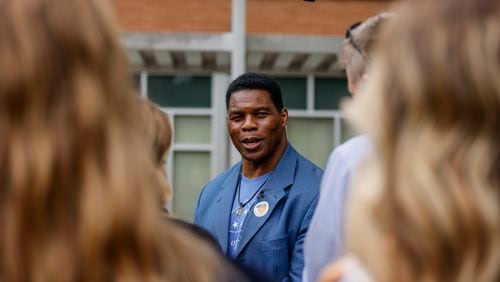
{"type": "Point", "coordinates": [284, 117]}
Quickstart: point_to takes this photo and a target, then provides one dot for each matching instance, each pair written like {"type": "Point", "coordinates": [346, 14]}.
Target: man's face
{"type": "Point", "coordinates": [255, 125]}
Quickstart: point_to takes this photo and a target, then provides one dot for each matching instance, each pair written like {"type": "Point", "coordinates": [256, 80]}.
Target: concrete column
{"type": "Point", "coordinates": [238, 29]}
{"type": "Point", "coordinates": [238, 52]}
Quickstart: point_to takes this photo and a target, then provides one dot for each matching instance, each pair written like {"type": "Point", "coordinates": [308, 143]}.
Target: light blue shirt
{"type": "Point", "coordinates": [248, 188]}
{"type": "Point", "coordinates": [325, 238]}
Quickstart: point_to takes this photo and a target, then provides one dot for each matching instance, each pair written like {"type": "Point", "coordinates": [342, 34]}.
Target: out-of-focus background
{"type": "Point", "coordinates": [185, 53]}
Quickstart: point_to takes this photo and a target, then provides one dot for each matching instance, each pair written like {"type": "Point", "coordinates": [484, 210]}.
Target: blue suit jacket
{"type": "Point", "coordinates": [272, 243]}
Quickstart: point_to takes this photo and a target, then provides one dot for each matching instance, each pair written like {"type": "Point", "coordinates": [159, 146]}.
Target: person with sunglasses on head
{"type": "Point", "coordinates": [325, 238]}
{"type": "Point", "coordinates": [425, 205]}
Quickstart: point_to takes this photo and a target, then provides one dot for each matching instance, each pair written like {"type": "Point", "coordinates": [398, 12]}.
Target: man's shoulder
{"type": "Point", "coordinates": [351, 151]}
{"type": "Point", "coordinates": [307, 176]}
{"type": "Point", "coordinates": [306, 165]}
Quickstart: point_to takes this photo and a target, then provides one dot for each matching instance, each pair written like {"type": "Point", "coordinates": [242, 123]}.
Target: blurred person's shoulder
{"type": "Point", "coordinates": [351, 152]}
{"type": "Point", "coordinates": [234, 272]}
{"type": "Point", "coordinates": [198, 231]}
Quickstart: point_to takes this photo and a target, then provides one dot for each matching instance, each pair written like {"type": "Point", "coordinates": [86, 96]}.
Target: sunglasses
{"type": "Point", "coordinates": [348, 36]}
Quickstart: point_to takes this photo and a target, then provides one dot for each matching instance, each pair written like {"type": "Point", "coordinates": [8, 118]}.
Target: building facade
{"type": "Point", "coordinates": [185, 53]}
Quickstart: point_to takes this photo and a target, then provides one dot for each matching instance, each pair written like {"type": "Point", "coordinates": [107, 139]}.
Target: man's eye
{"type": "Point", "coordinates": [261, 114]}
{"type": "Point", "coordinates": [235, 118]}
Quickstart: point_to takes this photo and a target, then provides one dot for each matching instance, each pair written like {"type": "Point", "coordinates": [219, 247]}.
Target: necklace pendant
{"type": "Point", "coordinates": [239, 211]}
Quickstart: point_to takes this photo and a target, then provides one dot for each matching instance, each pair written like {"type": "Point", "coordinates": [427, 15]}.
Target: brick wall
{"type": "Point", "coordinates": [323, 17]}
{"type": "Point", "coordinates": [296, 16]}
{"type": "Point", "coordinates": [174, 15]}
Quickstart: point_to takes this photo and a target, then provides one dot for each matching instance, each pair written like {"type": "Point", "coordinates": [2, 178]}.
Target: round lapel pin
{"type": "Point", "coordinates": [261, 209]}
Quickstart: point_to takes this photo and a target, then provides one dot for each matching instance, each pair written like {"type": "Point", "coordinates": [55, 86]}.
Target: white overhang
{"type": "Point", "coordinates": [209, 52]}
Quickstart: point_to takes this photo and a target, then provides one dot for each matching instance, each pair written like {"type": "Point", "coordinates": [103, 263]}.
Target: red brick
{"type": "Point", "coordinates": [323, 17]}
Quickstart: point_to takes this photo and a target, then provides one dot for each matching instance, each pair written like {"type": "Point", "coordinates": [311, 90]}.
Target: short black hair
{"type": "Point", "coordinates": [259, 81]}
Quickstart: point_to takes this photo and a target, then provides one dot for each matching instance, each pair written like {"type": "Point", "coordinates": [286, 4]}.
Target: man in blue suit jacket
{"type": "Point", "coordinates": [259, 210]}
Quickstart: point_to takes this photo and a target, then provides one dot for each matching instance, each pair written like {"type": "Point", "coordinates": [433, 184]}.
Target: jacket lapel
{"type": "Point", "coordinates": [224, 202]}
{"type": "Point", "coordinates": [281, 178]}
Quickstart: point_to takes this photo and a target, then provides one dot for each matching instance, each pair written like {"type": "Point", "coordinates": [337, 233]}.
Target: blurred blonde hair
{"type": "Point", "coordinates": [158, 133]}
{"type": "Point", "coordinates": [158, 129]}
{"type": "Point", "coordinates": [426, 207]}
{"type": "Point", "coordinates": [72, 158]}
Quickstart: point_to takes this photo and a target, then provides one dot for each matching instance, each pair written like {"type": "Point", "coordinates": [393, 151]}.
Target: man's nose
{"type": "Point", "coordinates": [249, 123]}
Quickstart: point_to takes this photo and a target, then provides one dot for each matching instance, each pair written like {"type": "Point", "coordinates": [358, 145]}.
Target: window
{"type": "Point", "coordinates": [312, 137]}
{"type": "Point", "coordinates": [294, 90]}
{"type": "Point", "coordinates": [191, 171]}
{"type": "Point", "coordinates": [317, 126]}
{"type": "Point", "coordinates": [180, 91]}
{"type": "Point", "coordinates": [329, 92]}
{"type": "Point", "coordinates": [192, 130]}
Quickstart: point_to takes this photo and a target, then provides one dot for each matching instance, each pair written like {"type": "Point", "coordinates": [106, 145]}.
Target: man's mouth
{"type": "Point", "coordinates": [251, 143]}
